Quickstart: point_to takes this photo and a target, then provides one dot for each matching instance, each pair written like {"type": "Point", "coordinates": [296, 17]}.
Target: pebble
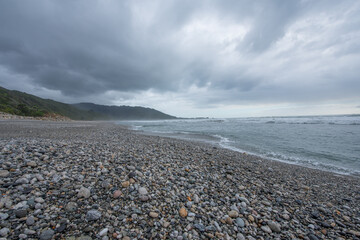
{"type": "Point", "coordinates": [39, 200]}
{"type": "Point", "coordinates": [23, 236]}
{"type": "Point", "coordinates": [240, 222]}
{"type": "Point", "coordinates": [274, 226]}
{"type": "Point", "coordinates": [71, 207]}
{"type": "Point", "coordinates": [233, 214]}
{"type": "Point", "coordinates": [153, 214]}
{"type": "Point", "coordinates": [229, 220]}
{"type": "Point", "coordinates": [143, 191]}
{"type": "Point", "coordinates": [47, 234]}
{"type": "Point", "coordinates": [31, 164]}
{"type": "Point", "coordinates": [183, 213]}
{"type": "Point", "coordinates": [4, 232]}
{"type": "Point", "coordinates": [84, 193]}
{"type": "Point", "coordinates": [103, 232]}
{"type": "Point", "coordinates": [125, 184]}
{"type": "Point", "coordinates": [266, 229]}
{"type": "Point", "coordinates": [117, 194]}
{"type": "Point", "coordinates": [20, 213]}
{"type": "Point", "coordinates": [93, 215]}
{"type": "Point", "coordinates": [4, 173]}
{"type": "Point", "coordinates": [30, 221]}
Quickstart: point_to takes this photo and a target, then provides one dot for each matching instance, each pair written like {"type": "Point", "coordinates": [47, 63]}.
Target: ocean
{"type": "Point", "coordinates": [330, 143]}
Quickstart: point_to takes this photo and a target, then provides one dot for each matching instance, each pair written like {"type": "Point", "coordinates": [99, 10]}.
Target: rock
{"type": "Point", "coordinates": [266, 229]}
{"type": "Point", "coordinates": [20, 213]}
{"type": "Point", "coordinates": [153, 214]}
{"type": "Point", "coordinates": [144, 198]}
{"type": "Point", "coordinates": [31, 164]}
{"type": "Point", "coordinates": [199, 227]}
{"type": "Point", "coordinates": [132, 175]}
{"type": "Point", "coordinates": [61, 228]}
{"type": "Point", "coordinates": [239, 236]}
{"type": "Point", "coordinates": [47, 234]}
{"type": "Point", "coordinates": [22, 181]}
{"type": "Point", "coordinates": [183, 213]}
{"type": "Point", "coordinates": [117, 194]}
{"type": "Point", "coordinates": [251, 218]}
{"type": "Point", "coordinates": [229, 220]}
{"type": "Point", "coordinates": [274, 226]}
{"type": "Point", "coordinates": [71, 207]}
{"type": "Point", "coordinates": [84, 192]}
{"type": "Point", "coordinates": [84, 238]}
{"type": "Point", "coordinates": [4, 173]}
{"type": "Point", "coordinates": [125, 184]}
{"type": "Point", "coordinates": [233, 214]}
{"type": "Point", "coordinates": [4, 216]}
{"type": "Point", "coordinates": [143, 191]}
{"type": "Point", "coordinates": [4, 232]}
{"type": "Point", "coordinates": [30, 221]}
{"type": "Point", "coordinates": [93, 215]}
{"type": "Point", "coordinates": [39, 200]}
{"type": "Point", "coordinates": [166, 224]}
{"type": "Point", "coordinates": [240, 222]}
{"type": "Point", "coordinates": [29, 232]}
{"type": "Point", "coordinates": [103, 232]}
{"type": "Point", "coordinates": [23, 236]}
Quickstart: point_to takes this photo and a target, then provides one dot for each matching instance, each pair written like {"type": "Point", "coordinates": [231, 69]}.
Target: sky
{"type": "Point", "coordinates": [226, 58]}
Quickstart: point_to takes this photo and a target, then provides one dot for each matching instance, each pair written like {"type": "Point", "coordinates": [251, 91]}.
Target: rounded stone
{"type": "Point", "coordinates": [183, 213]}
{"type": "Point", "coordinates": [30, 221]}
{"type": "Point", "coordinates": [4, 173]}
{"type": "Point", "coordinates": [274, 226]}
{"type": "Point", "coordinates": [142, 191]}
{"type": "Point", "coordinates": [117, 194]}
{"type": "Point", "coordinates": [47, 234]}
{"type": "Point", "coordinates": [84, 192]}
{"type": "Point", "coordinates": [233, 214]}
{"type": "Point", "coordinates": [240, 222]}
{"type": "Point", "coordinates": [125, 184]}
{"type": "Point", "coordinates": [153, 214]}
{"type": "Point", "coordinates": [20, 213]}
{"type": "Point", "coordinates": [71, 207]}
{"type": "Point", "coordinates": [93, 215]}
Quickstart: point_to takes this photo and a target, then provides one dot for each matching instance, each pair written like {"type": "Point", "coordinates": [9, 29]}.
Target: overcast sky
{"type": "Point", "coordinates": [233, 58]}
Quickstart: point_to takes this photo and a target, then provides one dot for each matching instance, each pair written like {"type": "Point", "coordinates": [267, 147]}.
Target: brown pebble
{"type": "Point", "coordinates": [229, 220]}
{"type": "Point", "coordinates": [125, 184]}
{"type": "Point", "coordinates": [183, 213]}
{"type": "Point", "coordinates": [117, 194]}
{"type": "Point", "coordinates": [251, 218]}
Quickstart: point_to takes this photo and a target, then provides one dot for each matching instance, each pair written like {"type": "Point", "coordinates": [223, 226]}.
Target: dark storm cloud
{"type": "Point", "coordinates": [288, 50]}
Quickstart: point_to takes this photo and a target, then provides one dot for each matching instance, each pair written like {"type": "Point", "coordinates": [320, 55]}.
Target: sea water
{"type": "Point", "coordinates": [330, 143]}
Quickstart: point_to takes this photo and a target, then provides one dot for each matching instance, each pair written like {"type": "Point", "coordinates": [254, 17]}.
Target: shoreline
{"type": "Point", "coordinates": [239, 151]}
{"type": "Point", "coordinates": [225, 194]}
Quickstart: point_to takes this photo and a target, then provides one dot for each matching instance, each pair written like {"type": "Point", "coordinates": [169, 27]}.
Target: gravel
{"type": "Point", "coordinates": [98, 180]}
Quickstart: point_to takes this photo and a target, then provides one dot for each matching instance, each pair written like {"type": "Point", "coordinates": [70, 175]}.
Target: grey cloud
{"type": "Point", "coordinates": [83, 48]}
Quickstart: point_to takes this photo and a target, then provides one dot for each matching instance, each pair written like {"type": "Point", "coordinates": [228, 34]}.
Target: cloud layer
{"type": "Point", "coordinates": [202, 55]}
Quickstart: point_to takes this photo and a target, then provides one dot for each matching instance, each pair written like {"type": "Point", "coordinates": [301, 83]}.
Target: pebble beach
{"type": "Point", "coordinates": [98, 180]}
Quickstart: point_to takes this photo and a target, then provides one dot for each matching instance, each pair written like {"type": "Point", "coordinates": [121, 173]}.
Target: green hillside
{"type": "Point", "coordinates": [19, 103]}
{"type": "Point", "coordinates": [124, 112]}
{"type": "Point", "coordinates": [24, 104]}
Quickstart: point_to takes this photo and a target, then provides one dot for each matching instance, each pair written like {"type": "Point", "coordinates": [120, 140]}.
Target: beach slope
{"type": "Point", "coordinates": [98, 180]}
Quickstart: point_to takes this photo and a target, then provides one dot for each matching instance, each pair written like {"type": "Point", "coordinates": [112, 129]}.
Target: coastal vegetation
{"type": "Point", "coordinates": [23, 104]}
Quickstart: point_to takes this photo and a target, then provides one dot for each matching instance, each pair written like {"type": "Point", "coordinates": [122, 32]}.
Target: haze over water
{"type": "Point", "coordinates": [330, 143]}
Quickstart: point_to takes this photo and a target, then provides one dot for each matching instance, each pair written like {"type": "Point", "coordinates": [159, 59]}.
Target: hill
{"type": "Point", "coordinates": [123, 112]}
{"type": "Point", "coordinates": [20, 103]}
